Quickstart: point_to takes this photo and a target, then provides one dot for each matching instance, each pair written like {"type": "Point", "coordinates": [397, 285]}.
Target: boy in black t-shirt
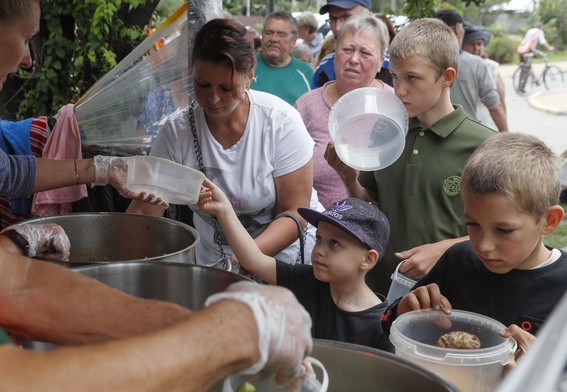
{"type": "Point", "coordinates": [510, 188]}
{"type": "Point", "coordinates": [351, 236]}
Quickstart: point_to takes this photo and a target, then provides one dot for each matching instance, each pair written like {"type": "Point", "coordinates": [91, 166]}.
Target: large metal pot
{"type": "Point", "coordinates": [184, 284]}
{"type": "Point", "coordinates": [355, 368]}
{"type": "Point", "coordinates": [114, 237]}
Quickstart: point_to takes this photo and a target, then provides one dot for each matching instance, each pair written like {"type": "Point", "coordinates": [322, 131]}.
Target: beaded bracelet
{"type": "Point", "coordinates": [76, 172]}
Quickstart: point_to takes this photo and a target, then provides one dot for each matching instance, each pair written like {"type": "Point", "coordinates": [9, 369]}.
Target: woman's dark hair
{"type": "Point", "coordinates": [391, 29]}
{"type": "Point", "coordinates": [11, 10]}
{"type": "Point", "coordinates": [225, 41]}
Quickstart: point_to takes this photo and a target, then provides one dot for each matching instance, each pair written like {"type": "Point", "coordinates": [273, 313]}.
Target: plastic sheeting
{"type": "Point", "coordinates": [122, 112]}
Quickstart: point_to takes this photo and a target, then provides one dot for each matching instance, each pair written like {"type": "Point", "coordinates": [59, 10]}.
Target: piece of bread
{"type": "Point", "coordinates": [458, 340]}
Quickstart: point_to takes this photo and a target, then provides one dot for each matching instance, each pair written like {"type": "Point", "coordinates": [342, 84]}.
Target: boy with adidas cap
{"type": "Point", "coordinates": [351, 237]}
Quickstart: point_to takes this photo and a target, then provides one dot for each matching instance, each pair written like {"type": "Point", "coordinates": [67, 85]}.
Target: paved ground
{"type": "Point", "coordinates": [546, 101]}
{"type": "Point", "coordinates": [551, 102]}
{"type": "Point", "coordinates": [543, 114]}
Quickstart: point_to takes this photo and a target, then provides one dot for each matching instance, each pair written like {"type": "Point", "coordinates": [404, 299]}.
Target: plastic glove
{"type": "Point", "coordinates": [110, 170]}
{"type": "Point", "coordinates": [114, 171]}
{"type": "Point", "coordinates": [284, 328]}
{"type": "Point", "coordinates": [48, 240]}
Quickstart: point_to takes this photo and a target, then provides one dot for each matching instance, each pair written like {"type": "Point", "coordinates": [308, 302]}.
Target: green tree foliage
{"type": "Point", "coordinates": [476, 12]}
{"type": "Point", "coordinates": [502, 49]}
{"type": "Point", "coordinates": [415, 9]}
{"type": "Point", "coordinates": [419, 9]}
{"type": "Point", "coordinates": [165, 8]}
{"type": "Point", "coordinates": [79, 42]}
{"type": "Point", "coordinates": [553, 15]}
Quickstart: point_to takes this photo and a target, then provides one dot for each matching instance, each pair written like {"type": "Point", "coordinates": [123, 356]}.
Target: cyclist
{"type": "Point", "coordinates": [533, 37]}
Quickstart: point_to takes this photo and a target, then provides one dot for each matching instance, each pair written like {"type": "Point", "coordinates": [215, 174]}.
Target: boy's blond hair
{"type": "Point", "coordinates": [518, 165]}
{"type": "Point", "coordinates": [10, 10]}
{"type": "Point", "coordinates": [429, 39]}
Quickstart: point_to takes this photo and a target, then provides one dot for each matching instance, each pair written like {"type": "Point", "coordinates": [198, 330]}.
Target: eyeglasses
{"type": "Point", "coordinates": [279, 34]}
{"type": "Point", "coordinates": [333, 21]}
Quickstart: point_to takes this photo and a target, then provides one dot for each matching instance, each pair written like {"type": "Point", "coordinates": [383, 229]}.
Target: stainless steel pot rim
{"type": "Point", "coordinates": [380, 353]}
{"type": "Point", "coordinates": [60, 219]}
{"type": "Point", "coordinates": [138, 265]}
{"type": "Point", "coordinates": [95, 214]}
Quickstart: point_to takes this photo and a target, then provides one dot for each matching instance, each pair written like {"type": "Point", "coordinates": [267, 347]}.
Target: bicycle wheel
{"type": "Point", "coordinates": [553, 78]}
{"type": "Point", "coordinates": [523, 80]}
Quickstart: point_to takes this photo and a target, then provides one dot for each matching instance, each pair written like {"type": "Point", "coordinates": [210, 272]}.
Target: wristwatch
{"type": "Point", "coordinates": [19, 240]}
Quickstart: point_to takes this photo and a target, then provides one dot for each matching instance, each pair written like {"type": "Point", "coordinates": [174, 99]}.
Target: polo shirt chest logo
{"type": "Point", "coordinates": [452, 186]}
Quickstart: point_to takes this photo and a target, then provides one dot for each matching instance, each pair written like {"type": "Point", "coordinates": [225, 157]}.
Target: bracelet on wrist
{"type": "Point", "coordinates": [76, 171]}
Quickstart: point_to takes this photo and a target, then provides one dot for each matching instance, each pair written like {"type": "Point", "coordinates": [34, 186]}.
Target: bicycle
{"type": "Point", "coordinates": [524, 77]}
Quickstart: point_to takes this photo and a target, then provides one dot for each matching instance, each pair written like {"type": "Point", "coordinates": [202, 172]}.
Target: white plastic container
{"type": "Point", "coordinates": [175, 183]}
{"type": "Point", "coordinates": [368, 126]}
{"type": "Point", "coordinates": [414, 334]}
{"type": "Point", "coordinates": [400, 286]}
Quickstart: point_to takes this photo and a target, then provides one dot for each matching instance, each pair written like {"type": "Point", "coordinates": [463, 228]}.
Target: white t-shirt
{"type": "Point", "coordinates": [275, 143]}
{"type": "Point", "coordinates": [531, 34]}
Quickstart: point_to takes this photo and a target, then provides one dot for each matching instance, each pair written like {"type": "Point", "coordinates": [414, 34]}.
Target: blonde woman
{"type": "Point", "coordinates": [361, 46]}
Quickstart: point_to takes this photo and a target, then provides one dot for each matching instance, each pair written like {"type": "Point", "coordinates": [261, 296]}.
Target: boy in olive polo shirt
{"type": "Point", "coordinates": [420, 192]}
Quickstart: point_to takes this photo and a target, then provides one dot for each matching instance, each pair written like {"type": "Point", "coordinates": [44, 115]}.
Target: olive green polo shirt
{"type": "Point", "coordinates": [420, 192]}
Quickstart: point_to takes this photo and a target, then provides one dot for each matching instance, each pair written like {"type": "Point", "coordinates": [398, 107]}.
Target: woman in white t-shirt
{"type": "Point", "coordinates": [252, 145]}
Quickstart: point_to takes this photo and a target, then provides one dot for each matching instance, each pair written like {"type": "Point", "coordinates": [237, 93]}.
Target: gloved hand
{"type": "Point", "coordinates": [284, 328]}
{"type": "Point", "coordinates": [48, 240]}
{"type": "Point", "coordinates": [114, 171]}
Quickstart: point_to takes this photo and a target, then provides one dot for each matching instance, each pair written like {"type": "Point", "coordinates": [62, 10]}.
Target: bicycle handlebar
{"type": "Point", "coordinates": [542, 54]}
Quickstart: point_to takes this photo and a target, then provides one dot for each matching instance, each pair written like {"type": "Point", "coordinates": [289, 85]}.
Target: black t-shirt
{"type": "Point", "coordinates": [329, 321]}
{"type": "Point", "coordinates": [521, 297]}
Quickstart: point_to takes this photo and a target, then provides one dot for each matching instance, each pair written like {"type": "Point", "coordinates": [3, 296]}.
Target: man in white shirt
{"type": "Point", "coordinates": [532, 38]}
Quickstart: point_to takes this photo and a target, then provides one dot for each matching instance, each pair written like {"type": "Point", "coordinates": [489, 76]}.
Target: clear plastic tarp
{"type": "Point", "coordinates": [122, 112]}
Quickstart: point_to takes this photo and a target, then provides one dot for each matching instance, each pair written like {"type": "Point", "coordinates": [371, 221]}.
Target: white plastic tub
{"type": "Point", "coordinates": [414, 335]}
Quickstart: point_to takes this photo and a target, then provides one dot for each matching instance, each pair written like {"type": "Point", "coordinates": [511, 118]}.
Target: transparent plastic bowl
{"type": "Point", "coordinates": [369, 127]}
{"type": "Point", "coordinates": [414, 334]}
{"type": "Point", "coordinates": [175, 183]}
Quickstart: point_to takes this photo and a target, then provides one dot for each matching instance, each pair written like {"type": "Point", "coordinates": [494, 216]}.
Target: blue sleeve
{"type": "Point", "coordinates": [325, 69]}
{"type": "Point", "coordinates": [18, 175]}
{"type": "Point", "coordinates": [316, 74]}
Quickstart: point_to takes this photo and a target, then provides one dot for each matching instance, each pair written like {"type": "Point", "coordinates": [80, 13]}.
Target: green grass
{"type": "Point", "coordinates": [558, 55]}
{"type": "Point", "coordinates": [558, 239]}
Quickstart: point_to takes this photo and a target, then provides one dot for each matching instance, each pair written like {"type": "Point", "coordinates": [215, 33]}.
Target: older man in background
{"type": "Point", "coordinates": [277, 71]}
{"type": "Point", "coordinates": [474, 43]}
{"type": "Point", "coordinates": [474, 83]}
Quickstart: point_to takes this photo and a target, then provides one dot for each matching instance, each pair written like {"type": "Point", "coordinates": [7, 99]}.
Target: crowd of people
{"type": "Point", "coordinates": [466, 220]}
{"type": "Point", "coordinates": [248, 328]}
